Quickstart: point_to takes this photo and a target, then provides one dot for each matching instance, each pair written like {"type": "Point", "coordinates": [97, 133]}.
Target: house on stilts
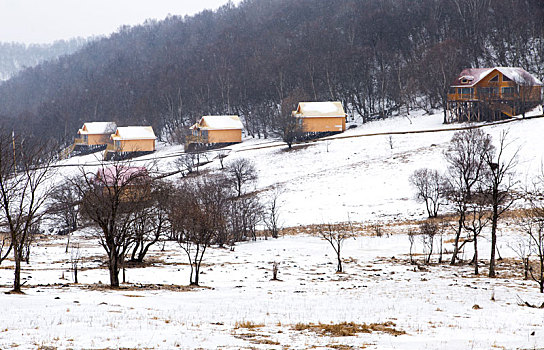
{"type": "Point", "coordinates": [485, 94]}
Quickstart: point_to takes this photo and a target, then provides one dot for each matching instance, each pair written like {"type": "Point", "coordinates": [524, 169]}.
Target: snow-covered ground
{"type": "Point", "coordinates": [435, 307]}
{"type": "Point", "coordinates": [363, 178]}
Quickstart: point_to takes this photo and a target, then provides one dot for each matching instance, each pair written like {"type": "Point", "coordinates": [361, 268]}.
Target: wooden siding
{"type": "Point", "coordinates": [323, 124]}
{"type": "Point", "coordinates": [135, 146]}
{"type": "Point", "coordinates": [224, 136]}
{"type": "Point", "coordinates": [97, 139]}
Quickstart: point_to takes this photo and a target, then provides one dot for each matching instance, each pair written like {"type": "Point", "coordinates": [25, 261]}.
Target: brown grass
{"type": "Point", "coordinates": [247, 325]}
{"type": "Point", "coordinates": [346, 329]}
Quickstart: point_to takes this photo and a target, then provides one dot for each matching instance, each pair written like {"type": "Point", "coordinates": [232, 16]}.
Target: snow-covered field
{"type": "Point", "coordinates": [362, 178]}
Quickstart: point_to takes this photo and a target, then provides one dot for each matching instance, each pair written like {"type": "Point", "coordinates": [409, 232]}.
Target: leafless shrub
{"type": "Point", "coordinates": [430, 188]}
{"type": "Point", "coordinates": [336, 235]}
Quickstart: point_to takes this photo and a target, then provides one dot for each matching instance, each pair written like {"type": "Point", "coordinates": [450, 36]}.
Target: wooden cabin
{"type": "Point", "coordinates": [321, 118]}
{"type": "Point", "coordinates": [479, 94]}
{"type": "Point", "coordinates": [131, 141]}
{"type": "Point", "coordinates": [214, 131]}
{"type": "Point", "coordinates": [95, 133]}
{"type": "Point", "coordinates": [92, 137]}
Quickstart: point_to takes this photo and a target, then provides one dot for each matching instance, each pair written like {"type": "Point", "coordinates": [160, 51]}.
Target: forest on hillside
{"type": "Point", "coordinates": [259, 58]}
{"type": "Point", "coordinates": [15, 57]}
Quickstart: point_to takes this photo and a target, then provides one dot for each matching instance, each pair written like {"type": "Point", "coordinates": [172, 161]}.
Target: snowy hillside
{"type": "Point", "coordinates": [362, 175]}
{"type": "Point", "coordinates": [352, 174]}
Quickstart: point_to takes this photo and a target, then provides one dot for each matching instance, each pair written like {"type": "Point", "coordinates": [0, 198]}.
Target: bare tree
{"type": "Point", "coordinates": [75, 258]}
{"type": "Point", "coordinates": [466, 159]}
{"type": "Point", "coordinates": [531, 222]}
{"type": "Point", "coordinates": [64, 207]}
{"type": "Point", "coordinates": [412, 233]}
{"type": "Point", "coordinates": [150, 221]}
{"type": "Point", "coordinates": [532, 225]}
{"type": "Point", "coordinates": [428, 230]}
{"type": "Point", "coordinates": [111, 198]}
{"type": "Point", "coordinates": [241, 172]}
{"type": "Point", "coordinates": [194, 222]}
{"type": "Point", "coordinates": [336, 234]}
{"type": "Point", "coordinates": [25, 168]}
{"type": "Point", "coordinates": [430, 188]}
{"type": "Point", "coordinates": [501, 182]}
{"type": "Point", "coordinates": [522, 246]}
{"type": "Point", "coordinates": [245, 213]}
{"type": "Point", "coordinates": [476, 219]}
{"type": "Point", "coordinates": [290, 128]}
{"type": "Point", "coordinates": [271, 213]}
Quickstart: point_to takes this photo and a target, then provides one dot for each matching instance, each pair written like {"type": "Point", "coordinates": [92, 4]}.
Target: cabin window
{"type": "Point", "coordinates": [467, 91]}
{"type": "Point", "coordinates": [451, 90]}
{"type": "Point", "coordinates": [464, 81]}
{"type": "Point", "coordinates": [508, 91]}
{"type": "Point", "coordinates": [86, 138]}
{"type": "Point", "coordinates": [495, 78]}
{"type": "Point", "coordinates": [117, 144]}
{"type": "Point", "coordinates": [505, 78]}
{"type": "Point", "coordinates": [488, 91]}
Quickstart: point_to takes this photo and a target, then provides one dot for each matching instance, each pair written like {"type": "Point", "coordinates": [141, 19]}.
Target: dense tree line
{"type": "Point", "coordinates": [376, 56]}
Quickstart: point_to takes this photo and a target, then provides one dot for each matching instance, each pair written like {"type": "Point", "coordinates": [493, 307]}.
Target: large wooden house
{"type": "Point", "coordinates": [214, 131]}
{"type": "Point", "coordinates": [130, 141]}
{"type": "Point", "coordinates": [479, 94]}
{"type": "Point", "coordinates": [321, 118]}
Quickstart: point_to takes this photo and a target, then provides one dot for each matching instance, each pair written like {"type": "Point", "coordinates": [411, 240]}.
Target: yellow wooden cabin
{"type": "Point", "coordinates": [216, 130]}
{"type": "Point", "coordinates": [492, 93]}
{"type": "Point", "coordinates": [137, 140]}
{"type": "Point", "coordinates": [321, 117]}
{"type": "Point", "coordinates": [95, 133]}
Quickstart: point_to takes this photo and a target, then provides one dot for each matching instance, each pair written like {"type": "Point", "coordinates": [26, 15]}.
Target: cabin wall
{"type": "Point", "coordinates": [97, 139]}
{"type": "Point", "coordinates": [137, 145]}
{"type": "Point", "coordinates": [323, 124]}
{"type": "Point", "coordinates": [224, 136]}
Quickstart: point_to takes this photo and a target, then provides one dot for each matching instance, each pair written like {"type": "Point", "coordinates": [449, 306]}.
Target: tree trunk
{"type": "Point", "coordinates": [197, 272]}
{"type": "Point", "coordinates": [476, 255]}
{"type": "Point", "coordinates": [114, 271]}
{"type": "Point", "coordinates": [339, 267]}
{"type": "Point", "coordinates": [456, 243]}
{"type": "Point", "coordinates": [493, 241]}
{"type": "Point", "coordinates": [17, 279]}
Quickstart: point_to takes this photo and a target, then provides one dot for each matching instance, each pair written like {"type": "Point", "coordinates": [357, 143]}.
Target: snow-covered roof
{"type": "Point", "coordinates": [219, 122]}
{"type": "Point", "coordinates": [134, 133]}
{"type": "Point", "coordinates": [471, 76]}
{"type": "Point", "coordinates": [97, 128]}
{"type": "Point", "coordinates": [320, 109]}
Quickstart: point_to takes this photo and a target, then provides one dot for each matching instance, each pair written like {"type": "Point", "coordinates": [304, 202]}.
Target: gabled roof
{"type": "Point", "coordinates": [473, 76]}
{"type": "Point", "coordinates": [320, 109]}
{"type": "Point", "coordinates": [219, 122]}
{"type": "Point", "coordinates": [97, 128]}
{"type": "Point", "coordinates": [121, 175]}
{"type": "Point", "coordinates": [134, 133]}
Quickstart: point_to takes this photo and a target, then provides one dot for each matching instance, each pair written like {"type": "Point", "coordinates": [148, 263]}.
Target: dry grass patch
{"type": "Point", "coordinates": [346, 329]}
{"type": "Point", "coordinates": [247, 325]}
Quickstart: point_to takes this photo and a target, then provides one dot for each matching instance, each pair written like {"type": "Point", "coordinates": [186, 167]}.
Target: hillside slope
{"type": "Point", "coordinates": [360, 178]}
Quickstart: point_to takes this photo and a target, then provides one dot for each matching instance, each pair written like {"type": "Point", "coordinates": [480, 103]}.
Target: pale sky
{"type": "Point", "coordinates": [44, 21]}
